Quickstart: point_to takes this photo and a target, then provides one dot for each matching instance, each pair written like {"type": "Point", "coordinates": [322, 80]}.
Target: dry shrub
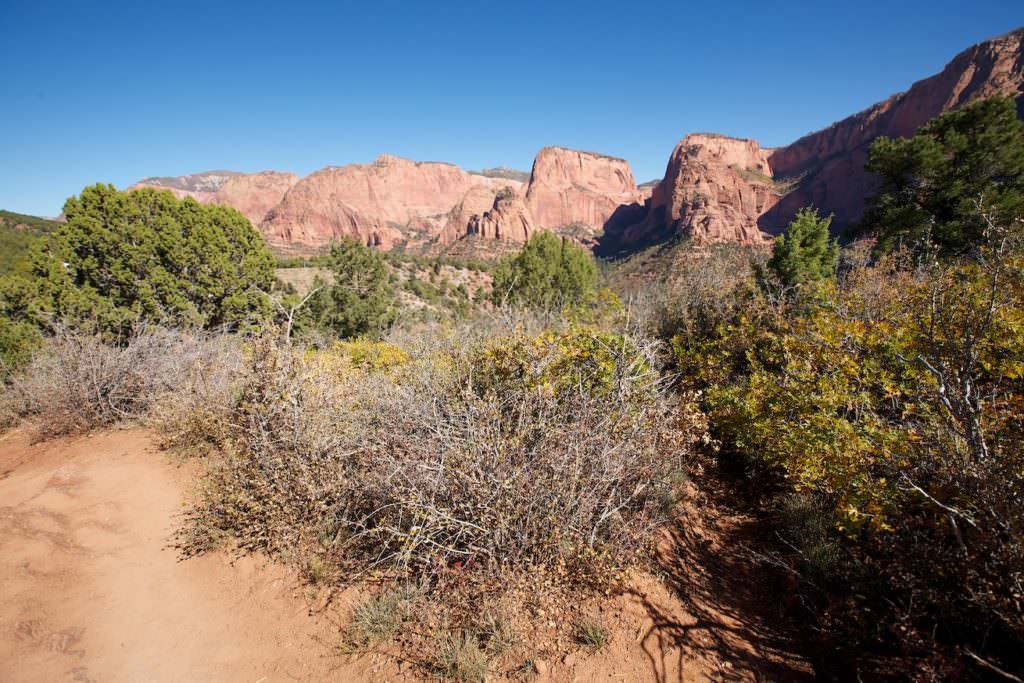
{"type": "Point", "coordinates": [195, 418]}
{"type": "Point", "coordinates": [286, 467]}
{"type": "Point", "coordinates": [78, 381]}
{"type": "Point", "coordinates": [552, 452]}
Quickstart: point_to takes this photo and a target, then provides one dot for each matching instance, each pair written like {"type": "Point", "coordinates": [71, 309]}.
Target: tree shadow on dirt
{"type": "Point", "coordinates": [736, 603]}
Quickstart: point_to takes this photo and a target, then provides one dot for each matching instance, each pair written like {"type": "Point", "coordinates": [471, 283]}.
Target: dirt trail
{"type": "Point", "coordinates": [89, 591]}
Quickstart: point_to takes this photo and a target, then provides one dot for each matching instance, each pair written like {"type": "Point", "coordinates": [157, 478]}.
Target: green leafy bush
{"type": "Point", "coordinates": [359, 301]}
{"type": "Point", "coordinates": [549, 273]}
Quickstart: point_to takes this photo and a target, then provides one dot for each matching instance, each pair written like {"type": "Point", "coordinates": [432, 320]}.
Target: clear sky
{"type": "Point", "coordinates": [115, 91]}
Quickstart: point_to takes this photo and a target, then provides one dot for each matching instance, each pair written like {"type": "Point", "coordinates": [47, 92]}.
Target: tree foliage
{"type": "Point", "coordinates": [805, 253]}
{"type": "Point", "coordinates": [18, 232]}
{"type": "Point", "coordinates": [360, 300]}
{"type": "Point", "coordinates": [932, 183]}
{"type": "Point", "coordinates": [123, 257]}
{"type": "Point", "coordinates": [894, 401]}
{"type": "Point", "coordinates": [548, 273]}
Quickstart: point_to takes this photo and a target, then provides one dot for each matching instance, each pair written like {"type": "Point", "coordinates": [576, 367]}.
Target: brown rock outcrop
{"type": "Point", "coordinates": [372, 202]}
{"type": "Point", "coordinates": [831, 161]}
{"type": "Point", "coordinates": [508, 220]}
{"type": "Point", "coordinates": [715, 189]}
{"type": "Point", "coordinates": [476, 202]}
{"type": "Point", "coordinates": [570, 187]}
{"type": "Point", "coordinates": [255, 194]}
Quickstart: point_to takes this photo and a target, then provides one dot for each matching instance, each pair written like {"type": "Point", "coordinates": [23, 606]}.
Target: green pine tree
{"type": "Point", "coordinates": [124, 257]}
{"type": "Point", "coordinates": [360, 300]}
{"type": "Point", "coordinates": [933, 183]}
{"type": "Point", "coordinates": [806, 252]}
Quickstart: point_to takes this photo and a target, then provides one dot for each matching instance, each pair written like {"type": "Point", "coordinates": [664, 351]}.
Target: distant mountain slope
{"type": "Point", "coordinates": [719, 189]}
{"type": "Point", "coordinates": [206, 181]}
{"type": "Point", "coordinates": [18, 232]}
{"type": "Point", "coordinates": [504, 172]}
{"type": "Point", "coordinates": [396, 203]}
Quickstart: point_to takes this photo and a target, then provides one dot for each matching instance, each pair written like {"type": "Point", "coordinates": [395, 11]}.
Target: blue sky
{"type": "Point", "coordinates": [116, 91]}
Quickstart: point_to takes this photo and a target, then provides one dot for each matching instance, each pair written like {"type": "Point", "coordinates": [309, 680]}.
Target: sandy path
{"type": "Point", "coordinates": [89, 592]}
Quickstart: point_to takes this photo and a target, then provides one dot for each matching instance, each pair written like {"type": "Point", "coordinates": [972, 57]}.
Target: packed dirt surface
{"type": "Point", "coordinates": [90, 590]}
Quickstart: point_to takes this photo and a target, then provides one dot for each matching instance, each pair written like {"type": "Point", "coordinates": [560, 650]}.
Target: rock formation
{"type": "Point", "coordinates": [476, 202]}
{"type": "Point", "coordinates": [422, 205]}
{"type": "Point", "coordinates": [715, 189]}
{"type": "Point", "coordinates": [508, 220]}
{"type": "Point", "coordinates": [569, 187]}
{"type": "Point", "coordinates": [253, 194]}
{"type": "Point", "coordinates": [372, 202]}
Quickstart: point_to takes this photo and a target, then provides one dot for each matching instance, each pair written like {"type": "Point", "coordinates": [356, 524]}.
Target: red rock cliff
{"type": "Point", "coordinates": [571, 187]}
{"type": "Point", "coordinates": [376, 203]}
{"type": "Point", "coordinates": [715, 189]}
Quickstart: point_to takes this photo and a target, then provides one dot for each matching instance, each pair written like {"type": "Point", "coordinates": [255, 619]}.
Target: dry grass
{"type": "Point", "coordinates": [592, 633]}
{"type": "Point", "coordinates": [381, 617]}
{"type": "Point", "coordinates": [460, 658]}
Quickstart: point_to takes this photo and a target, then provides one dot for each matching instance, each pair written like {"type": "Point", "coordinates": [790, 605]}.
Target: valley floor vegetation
{"type": "Point", "coordinates": [867, 402]}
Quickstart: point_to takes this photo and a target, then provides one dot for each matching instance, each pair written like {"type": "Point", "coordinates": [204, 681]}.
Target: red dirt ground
{"type": "Point", "coordinates": [90, 590]}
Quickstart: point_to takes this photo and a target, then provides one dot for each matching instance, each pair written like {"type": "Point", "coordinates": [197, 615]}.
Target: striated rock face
{"type": "Point", "coordinates": [253, 194]}
{"type": "Point", "coordinates": [371, 202]}
{"type": "Point", "coordinates": [832, 160]}
{"type": "Point", "coordinates": [476, 202]}
{"type": "Point", "coordinates": [570, 187]}
{"type": "Point", "coordinates": [192, 185]}
{"type": "Point", "coordinates": [715, 189]}
{"type": "Point", "coordinates": [508, 220]}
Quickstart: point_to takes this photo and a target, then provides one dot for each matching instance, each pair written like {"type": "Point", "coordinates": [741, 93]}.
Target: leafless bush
{"type": "Point", "coordinates": [705, 289]}
{"type": "Point", "coordinates": [78, 382]}
{"type": "Point", "coordinates": [428, 471]}
{"type": "Point", "coordinates": [195, 417]}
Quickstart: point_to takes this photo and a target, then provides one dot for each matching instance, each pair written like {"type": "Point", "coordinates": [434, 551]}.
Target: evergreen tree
{"type": "Point", "coordinates": [932, 183]}
{"type": "Point", "coordinates": [360, 301]}
{"type": "Point", "coordinates": [549, 272]}
{"type": "Point", "coordinates": [805, 253]}
{"type": "Point", "coordinates": [122, 257]}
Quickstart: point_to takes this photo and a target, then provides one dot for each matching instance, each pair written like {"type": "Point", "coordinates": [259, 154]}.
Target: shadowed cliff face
{"type": "Point", "coordinates": [831, 161]}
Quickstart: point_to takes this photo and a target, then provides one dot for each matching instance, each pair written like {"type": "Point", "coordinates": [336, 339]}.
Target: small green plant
{"type": "Point", "coordinates": [462, 659]}
{"type": "Point", "coordinates": [592, 633]}
{"type": "Point", "coordinates": [318, 571]}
